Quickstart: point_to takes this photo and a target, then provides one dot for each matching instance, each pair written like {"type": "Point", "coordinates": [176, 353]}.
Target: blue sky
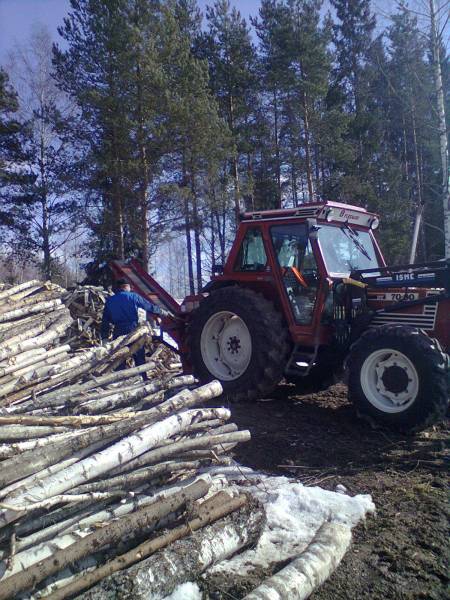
{"type": "Point", "coordinates": [18, 16]}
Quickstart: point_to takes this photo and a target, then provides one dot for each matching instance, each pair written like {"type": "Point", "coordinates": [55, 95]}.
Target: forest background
{"type": "Point", "coordinates": [149, 125]}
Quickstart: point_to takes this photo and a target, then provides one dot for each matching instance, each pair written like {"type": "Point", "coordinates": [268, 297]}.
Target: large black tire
{"type": "Point", "coordinates": [429, 377]}
{"type": "Point", "coordinates": [269, 341]}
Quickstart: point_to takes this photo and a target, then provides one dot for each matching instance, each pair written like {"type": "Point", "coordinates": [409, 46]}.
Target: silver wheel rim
{"type": "Point", "coordinates": [226, 346]}
{"type": "Point", "coordinates": [389, 380]}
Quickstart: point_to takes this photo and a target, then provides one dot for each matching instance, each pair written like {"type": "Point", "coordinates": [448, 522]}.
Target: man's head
{"type": "Point", "coordinates": [123, 285]}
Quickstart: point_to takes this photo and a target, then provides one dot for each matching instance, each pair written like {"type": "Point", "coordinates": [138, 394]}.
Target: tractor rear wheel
{"type": "Point", "coordinates": [239, 338]}
{"type": "Point", "coordinates": [398, 376]}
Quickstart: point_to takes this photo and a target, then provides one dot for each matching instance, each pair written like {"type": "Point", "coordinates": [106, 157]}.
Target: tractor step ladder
{"type": "Point", "coordinates": [144, 284]}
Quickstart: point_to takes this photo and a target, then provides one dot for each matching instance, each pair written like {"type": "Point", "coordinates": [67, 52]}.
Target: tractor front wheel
{"type": "Point", "coordinates": [398, 376]}
{"type": "Point", "coordinates": [237, 337]}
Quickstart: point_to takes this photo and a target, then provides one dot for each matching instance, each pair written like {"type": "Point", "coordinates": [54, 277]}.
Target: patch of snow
{"type": "Point", "coordinates": [294, 515]}
{"type": "Point", "coordinates": [186, 591]}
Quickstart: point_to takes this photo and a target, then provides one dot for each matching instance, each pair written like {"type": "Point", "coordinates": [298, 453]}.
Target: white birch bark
{"type": "Point", "coordinates": [27, 292]}
{"type": "Point", "coordinates": [41, 321]}
{"type": "Point", "coordinates": [8, 450]}
{"type": "Point", "coordinates": [140, 520]}
{"type": "Point", "coordinates": [10, 364]}
{"type": "Point", "coordinates": [443, 140]}
{"type": "Point", "coordinates": [28, 432]}
{"type": "Point", "coordinates": [23, 378]}
{"type": "Point", "coordinates": [70, 392]}
{"type": "Point", "coordinates": [18, 288]}
{"type": "Point", "coordinates": [91, 467]}
{"type": "Point", "coordinates": [20, 486]}
{"type": "Point", "coordinates": [185, 447]}
{"type": "Point", "coordinates": [30, 358]}
{"type": "Point", "coordinates": [36, 308]}
{"type": "Point", "coordinates": [53, 332]}
{"type": "Point", "coordinates": [304, 574]}
{"type": "Point", "coordinates": [173, 560]}
{"type": "Point", "coordinates": [44, 296]}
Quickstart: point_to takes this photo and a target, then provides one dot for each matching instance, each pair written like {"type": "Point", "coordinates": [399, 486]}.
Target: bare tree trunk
{"type": "Point", "coordinates": [117, 224]}
{"type": "Point", "coordinates": [144, 178]}
{"type": "Point", "coordinates": [213, 238]}
{"type": "Point", "coordinates": [435, 42]}
{"type": "Point", "coordinates": [309, 171]}
{"type": "Point", "coordinates": [420, 204]}
{"type": "Point", "coordinates": [234, 162]}
{"type": "Point", "coordinates": [221, 234]}
{"type": "Point", "coordinates": [277, 147]}
{"type": "Point", "coordinates": [197, 242]}
{"type": "Point", "coordinates": [187, 229]}
{"type": "Point", "coordinates": [47, 270]}
{"type": "Point", "coordinates": [405, 150]}
{"type": "Point", "coordinates": [294, 183]}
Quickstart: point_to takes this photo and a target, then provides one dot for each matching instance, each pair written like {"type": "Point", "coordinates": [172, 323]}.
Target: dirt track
{"type": "Point", "coordinates": [402, 552]}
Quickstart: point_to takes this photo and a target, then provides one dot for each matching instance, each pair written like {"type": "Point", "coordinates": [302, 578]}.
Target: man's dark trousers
{"type": "Point", "coordinates": [139, 357]}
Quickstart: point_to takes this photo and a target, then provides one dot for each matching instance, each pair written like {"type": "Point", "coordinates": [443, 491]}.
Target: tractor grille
{"type": "Point", "coordinates": [426, 320]}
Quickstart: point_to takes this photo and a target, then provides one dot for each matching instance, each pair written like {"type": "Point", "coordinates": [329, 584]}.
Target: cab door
{"type": "Point", "coordinates": [298, 269]}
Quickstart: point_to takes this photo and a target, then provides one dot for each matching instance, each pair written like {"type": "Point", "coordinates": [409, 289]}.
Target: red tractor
{"type": "Point", "coordinates": [305, 291]}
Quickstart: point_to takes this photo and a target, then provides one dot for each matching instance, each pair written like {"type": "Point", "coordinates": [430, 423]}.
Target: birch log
{"type": "Point", "coordinates": [54, 331]}
{"type": "Point", "coordinates": [178, 560]}
{"type": "Point", "coordinates": [27, 310]}
{"type": "Point", "coordinates": [141, 519]}
{"type": "Point", "coordinates": [303, 575]}
{"type": "Point", "coordinates": [32, 357]}
{"type": "Point", "coordinates": [184, 447]}
{"type": "Point", "coordinates": [44, 296]}
{"type": "Point", "coordinates": [18, 288]}
{"type": "Point", "coordinates": [209, 512]}
{"type": "Point", "coordinates": [17, 432]}
{"type": "Point", "coordinates": [102, 462]}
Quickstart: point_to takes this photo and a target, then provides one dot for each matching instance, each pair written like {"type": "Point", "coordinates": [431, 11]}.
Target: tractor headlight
{"type": "Point", "coordinates": [374, 223]}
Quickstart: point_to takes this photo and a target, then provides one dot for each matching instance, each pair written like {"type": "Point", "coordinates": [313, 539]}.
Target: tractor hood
{"type": "Point", "coordinates": [416, 295]}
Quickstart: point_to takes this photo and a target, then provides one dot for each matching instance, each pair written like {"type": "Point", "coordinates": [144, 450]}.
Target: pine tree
{"type": "Point", "coordinates": [353, 39]}
{"type": "Point", "coordinates": [11, 153]}
{"type": "Point", "coordinates": [46, 220]}
{"type": "Point", "coordinates": [273, 30]}
{"type": "Point", "coordinates": [200, 139]}
{"type": "Point", "coordinates": [228, 47]}
{"type": "Point", "coordinates": [295, 61]}
{"type": "Point", "coordinates": [92, 71]}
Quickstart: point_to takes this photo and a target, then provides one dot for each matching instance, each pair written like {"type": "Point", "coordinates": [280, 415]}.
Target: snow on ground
{"type": "Point", "coordinates": [186, 591]}
{"type": "Point", "coordinates": [294, 515]}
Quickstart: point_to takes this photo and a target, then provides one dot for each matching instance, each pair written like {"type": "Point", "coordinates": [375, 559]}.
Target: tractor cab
{"type": "Point", "coordinates": [303, 252]}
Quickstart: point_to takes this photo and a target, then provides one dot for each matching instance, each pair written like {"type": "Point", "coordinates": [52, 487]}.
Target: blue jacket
{"type": "Point", "coordinates": [121, 310]}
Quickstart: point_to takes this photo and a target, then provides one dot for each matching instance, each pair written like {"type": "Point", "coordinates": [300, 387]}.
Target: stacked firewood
{"type": "Point", "coordinates": [86, 305]}
{"type": "Point", "coordinates": [94, 459]}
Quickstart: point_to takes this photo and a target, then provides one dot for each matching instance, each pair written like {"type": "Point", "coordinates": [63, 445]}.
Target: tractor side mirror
{"type": "Point", "coordinates": [217, 269]}
{"type": "Point", "coordinates": [313, 228]}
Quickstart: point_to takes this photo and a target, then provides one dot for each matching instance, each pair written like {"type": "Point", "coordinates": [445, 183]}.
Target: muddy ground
{"type": "Point", "coordinates": [403, 551]}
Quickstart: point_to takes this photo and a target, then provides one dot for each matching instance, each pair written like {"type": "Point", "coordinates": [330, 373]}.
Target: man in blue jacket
{"type": "Point", "coordinates": [121, 311]}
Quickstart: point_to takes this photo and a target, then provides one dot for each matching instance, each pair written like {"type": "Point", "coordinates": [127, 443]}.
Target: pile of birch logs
{"type": "Point", "coordinates": [99, 468]}
{"type": "Point", "coordinates": [37, 343]}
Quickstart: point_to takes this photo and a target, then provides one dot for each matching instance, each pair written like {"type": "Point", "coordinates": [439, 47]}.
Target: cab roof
{"type": "Point", "coordinates": [327, 210]}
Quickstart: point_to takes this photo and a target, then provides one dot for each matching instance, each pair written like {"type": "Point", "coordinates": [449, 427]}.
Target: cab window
{"type": "Point", "coordinates": [252, 255]}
